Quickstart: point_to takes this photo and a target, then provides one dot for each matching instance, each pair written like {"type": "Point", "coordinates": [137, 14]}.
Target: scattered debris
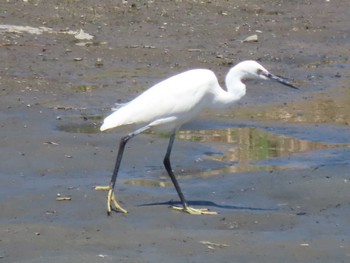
{"type": "Point", "coordinates": [304, 245]}
{"type": "Point", "coordinates": [51, 143]}
{"type": "Point", "coordinates": [81, 35]}
{"type": "Point", "coordinates": [212, 245]}
{"type": "Point", "coordinates": [25, 29]}
{"type": "Point", "coordinates": [50, 212]}
{"type": "Point", "coordinates": [63, 198]}
{"type": "Point", "coordinates": [223, 13]}
{"type": "Point", "coordinates": [194, 50]}
{"type": "Point", "coordinates": [252, 38]}
{"type": "Point", "coordinates": [99, 62]}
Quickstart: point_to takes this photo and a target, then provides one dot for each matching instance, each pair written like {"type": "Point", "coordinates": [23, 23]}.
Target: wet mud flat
{"type": "Point", "coordinates": [275, 167]}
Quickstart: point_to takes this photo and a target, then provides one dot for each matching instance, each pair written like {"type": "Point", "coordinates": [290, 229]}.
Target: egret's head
{"type": "Point", "coordinates": [251, 69]}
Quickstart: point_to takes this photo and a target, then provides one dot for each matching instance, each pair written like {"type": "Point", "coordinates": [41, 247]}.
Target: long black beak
{"type": "Point", "coordinates": [279, 79]}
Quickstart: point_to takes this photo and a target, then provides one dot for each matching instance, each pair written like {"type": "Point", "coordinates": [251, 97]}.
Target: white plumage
{"type": "Point", "coordinates": [171, 103]}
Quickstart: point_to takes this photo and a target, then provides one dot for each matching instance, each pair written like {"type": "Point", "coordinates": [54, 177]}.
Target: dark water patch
{"type": "Point", "coordinates": [145, 182]}
{"type": "Point", "coordinates": [252, 144]}
{"type": "Point", "coordinates": [85, 88]}
{"type": "Point", "coordinates": [83, 123]}
{"type": "Point", "coordinates": [79, 128]}
{"type": "Point", "coordinates": [251, 149]}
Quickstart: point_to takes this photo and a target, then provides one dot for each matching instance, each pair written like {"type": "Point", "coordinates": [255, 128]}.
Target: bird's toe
{"type": "Point", "coordinates": [194, 211]}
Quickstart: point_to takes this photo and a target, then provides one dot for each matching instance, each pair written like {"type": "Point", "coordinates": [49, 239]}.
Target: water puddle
{"type": "Point", "coordinates": [252, 144]}
{"type": "Point", "coordinates": [80, 124]}
{"type": "Point", "coordinates": [250, 149]}
{"type": "Point", "coordinates": [237, 150]}
{"type": "Point", "coordinates": [79, 128]}
{"type": "Point", "coordinates": [245, 149]}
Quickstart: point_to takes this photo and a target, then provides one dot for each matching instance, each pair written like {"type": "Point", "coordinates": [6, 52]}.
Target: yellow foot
{"type": "Point", "coordinates": [194, 211]}
{"type": "Point", "coordinates": [111, 199]}
{"type": "Point", "coordinates": [102, 187]}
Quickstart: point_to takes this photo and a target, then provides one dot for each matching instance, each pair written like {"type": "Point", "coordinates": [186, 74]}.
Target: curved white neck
{"type": "Point", "coordinates": [234, 83]}
{"type": "Point", "coordinates": [235, 90]}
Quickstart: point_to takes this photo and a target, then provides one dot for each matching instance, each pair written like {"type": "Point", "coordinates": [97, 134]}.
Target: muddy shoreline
{"type": "Point", "coordinates": [275, 167]}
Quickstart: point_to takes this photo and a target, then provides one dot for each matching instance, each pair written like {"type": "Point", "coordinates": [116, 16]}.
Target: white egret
{"type": "Point", "coordinates": [169, 104]}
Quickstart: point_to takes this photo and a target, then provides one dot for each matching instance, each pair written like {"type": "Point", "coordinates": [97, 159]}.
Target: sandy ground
{"type": "Point", "coordinates": [287, 201]}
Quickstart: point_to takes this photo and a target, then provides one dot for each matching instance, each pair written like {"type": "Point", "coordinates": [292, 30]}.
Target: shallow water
{"type": "Point", "coordinates": [251, 149]}
{"type": "Point", "coordinates": [245, 149]}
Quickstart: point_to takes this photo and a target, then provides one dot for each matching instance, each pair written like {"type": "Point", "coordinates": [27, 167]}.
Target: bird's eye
{"type": "Point", "coordinates": [259, 71]}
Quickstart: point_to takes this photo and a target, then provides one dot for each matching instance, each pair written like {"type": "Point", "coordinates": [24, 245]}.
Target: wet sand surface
{"type": "Point", "coordinates": [275, 167]}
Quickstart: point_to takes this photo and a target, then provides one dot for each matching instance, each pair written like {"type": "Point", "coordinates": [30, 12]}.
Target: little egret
{"type": "Point", "coordinates": [169, 104]}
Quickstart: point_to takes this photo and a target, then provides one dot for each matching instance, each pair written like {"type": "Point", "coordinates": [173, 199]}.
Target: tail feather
{"type": "Point", "coordinates": [110, 122]}
{"type": "Point", "coordinates": [104, 127]}
{"type": "Point", "coordinates": [118, 118]}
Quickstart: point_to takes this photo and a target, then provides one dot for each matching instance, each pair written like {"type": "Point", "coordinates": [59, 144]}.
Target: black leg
{"type": "Point", "coordinates": [122, 144]}
{"type": "Point", "coordinates": [167, 165]}
{"type": "Point", "coordinates": [111, 199]}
